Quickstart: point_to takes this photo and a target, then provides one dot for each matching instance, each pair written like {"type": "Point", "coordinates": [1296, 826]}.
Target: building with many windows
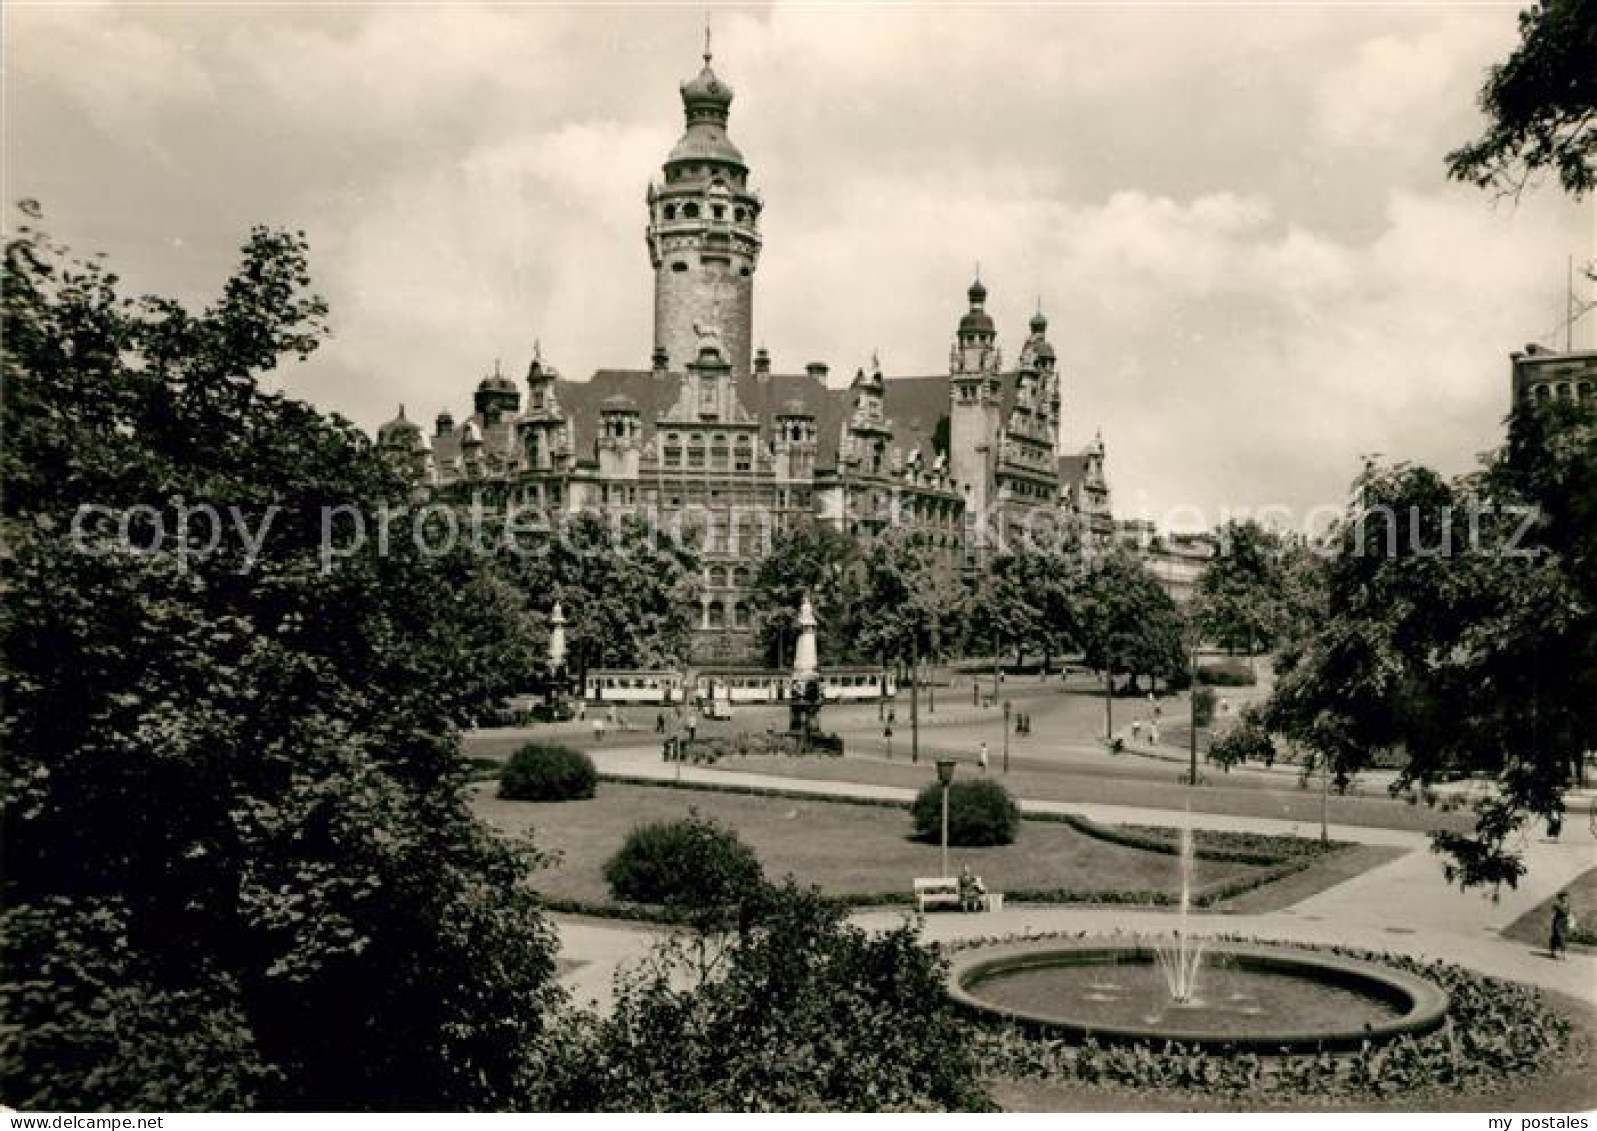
{"type": "Point", "coordinates": [712, 435]}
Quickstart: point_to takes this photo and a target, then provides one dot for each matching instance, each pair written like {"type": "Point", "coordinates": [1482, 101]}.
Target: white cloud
{"type": "Point", "coordinates": [1236, 217]}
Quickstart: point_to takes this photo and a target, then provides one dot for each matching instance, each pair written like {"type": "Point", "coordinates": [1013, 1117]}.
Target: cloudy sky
{"type": "Point", "coordinates": [1235, 215]}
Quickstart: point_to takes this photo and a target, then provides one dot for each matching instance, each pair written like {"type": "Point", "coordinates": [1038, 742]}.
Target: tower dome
{"type": "Point", "coordinates": [977, 293]}
{"type": "Point", "coordinates": [1039, 323]}
{"type": "Point", "coordinates": [706, 92]}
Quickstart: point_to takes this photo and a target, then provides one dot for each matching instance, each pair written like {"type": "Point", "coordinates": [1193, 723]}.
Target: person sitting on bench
{"type": "Point", "coordinates": [972, 892]}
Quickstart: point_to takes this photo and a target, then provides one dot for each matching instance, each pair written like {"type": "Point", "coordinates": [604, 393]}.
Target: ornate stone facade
{"type": "Point", "coordinates": [711, 437]}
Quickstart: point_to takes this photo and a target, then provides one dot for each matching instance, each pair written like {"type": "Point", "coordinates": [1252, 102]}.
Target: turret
{"type": "Point", "coordinates": [703, 233]}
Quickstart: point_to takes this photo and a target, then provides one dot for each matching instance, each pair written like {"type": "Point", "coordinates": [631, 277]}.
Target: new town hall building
{"type": "Point", "coordinates": [711, 430]}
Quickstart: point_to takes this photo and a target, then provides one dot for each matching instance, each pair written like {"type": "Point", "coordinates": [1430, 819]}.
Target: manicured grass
{"type": "Point", "coordinates": [1285, 801]}
{"type": "Point", "coordinates": [846, 850]}
{"type": "Point", "coordinates": [1536, 925]}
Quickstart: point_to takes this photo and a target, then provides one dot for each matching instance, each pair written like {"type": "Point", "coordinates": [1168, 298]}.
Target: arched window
{"type": "Point", "coordinates": [690, 211]}
{"type": "Point", "coordinates": [715, 577]}
{"type": "Point", "coordinates": [737, 214]}
{"type": "Point", "coordinates": [678, 266]}
{"type": "Point", "coordinates": [717, 615]}
{"type": "Point", "coordinates": [1544, 393]}
{"type": "Point", "coordinates": [670, 212]}
{"type": "Point", "coordinates": [740, 615]}
{"type": "Point", "coordinates": [740, 577]}
{"type": "Point", "coordinates": [1583, 390]}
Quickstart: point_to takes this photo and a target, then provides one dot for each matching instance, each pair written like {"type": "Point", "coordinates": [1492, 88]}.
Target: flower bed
{"type": "Point", "coordinates": [1494, 1032]}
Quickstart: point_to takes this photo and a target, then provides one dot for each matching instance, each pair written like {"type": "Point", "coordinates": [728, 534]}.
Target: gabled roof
{"type": "Point", "coordinates": [912, 404]}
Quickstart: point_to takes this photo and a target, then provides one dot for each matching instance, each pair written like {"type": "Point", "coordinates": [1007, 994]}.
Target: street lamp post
{"type": "Point", "coordinates": [914, 697]}
{"type": "Point", "coordinates": [1108, 702]}
{"type": "Point", "coordinates": [1192, 700]}
{"type": "Point", "coordinates": [1007, 707]}
{"type": "Point", "coordinates": [945, 775]}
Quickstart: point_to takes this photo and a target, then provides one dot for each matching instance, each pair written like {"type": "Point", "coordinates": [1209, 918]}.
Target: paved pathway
{"type": "Point", "coordinates": [1404, 905]}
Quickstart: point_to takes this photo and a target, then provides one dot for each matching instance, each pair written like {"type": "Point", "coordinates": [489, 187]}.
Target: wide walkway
{"type": "Point", "coordinates": [1404, 905]}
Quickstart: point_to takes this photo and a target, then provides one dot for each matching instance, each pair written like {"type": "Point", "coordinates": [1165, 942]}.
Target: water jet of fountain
{"type": "Point", "coordinates": [1181, 956]}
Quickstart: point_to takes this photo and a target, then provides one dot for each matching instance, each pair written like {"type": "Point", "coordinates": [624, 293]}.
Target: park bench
{"type": "Point", "coordinates": [931, 892]}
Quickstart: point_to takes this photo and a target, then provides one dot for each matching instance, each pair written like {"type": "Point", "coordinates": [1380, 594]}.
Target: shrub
{"type": "Point", "coordinates": [1248, 741]}
{"type": "Point", "coordinates": [539, 772]}
{"type": "Point", "coordinates": [806, 1012]}
{"type": "Point", "coordinates": [980, 813]}
{"type": "Point", "coordinates": [693, 863]}
{"type": "Point", "coordinates": [1203, 700]}
{"type": "Point", "coordinates": [1226, 673]}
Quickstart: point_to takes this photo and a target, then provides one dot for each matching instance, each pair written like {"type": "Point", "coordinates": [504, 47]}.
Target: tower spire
{"type": "Point", "coordinates": [707, 52]}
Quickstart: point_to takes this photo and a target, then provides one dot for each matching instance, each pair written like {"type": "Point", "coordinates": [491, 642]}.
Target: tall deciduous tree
{"type": "Point", "coordinates": [627, 592]}
{"type": "Point", "coordinates": [239, 868]}
{"type": "Point", "coordinates": [1127, 623]}
{"type": "Point", "coordinates": [1460, 624]}
{"type": "Point", "coordinates": [1540, 105]}
{"type": "Point", "coordinates": [1243, 592]}
{"type": "Point", "coordinates": [817, 561]}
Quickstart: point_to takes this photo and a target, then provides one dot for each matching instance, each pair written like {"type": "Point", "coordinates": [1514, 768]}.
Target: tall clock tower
{"type": "Point", "coordinates": [704, 236]}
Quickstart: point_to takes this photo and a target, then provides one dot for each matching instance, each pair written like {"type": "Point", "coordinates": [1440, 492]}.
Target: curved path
{"type": "Point", "coordinates": [1403, 905]}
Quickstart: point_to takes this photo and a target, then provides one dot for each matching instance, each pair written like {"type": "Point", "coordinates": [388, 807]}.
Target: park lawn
{"type": "Point", "coordinates": [845, 849]}
{"type": "Point", "coordinates": [1284, 802]}
{"type": "Point", "coordinates": [1536, 925]}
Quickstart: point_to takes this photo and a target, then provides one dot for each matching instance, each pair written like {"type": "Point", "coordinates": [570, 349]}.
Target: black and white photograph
{"type": "Point", "coordinates": [897, 557]}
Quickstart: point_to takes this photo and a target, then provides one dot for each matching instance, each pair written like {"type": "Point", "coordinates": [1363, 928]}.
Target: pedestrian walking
{"type": "Point", "coordinates": [981, 757]}
{"type": "Point", "coordinates": [659, 723]}
{"type": "Point", "coordinates": [1562, 921]}
{"type": "Point", "coordinates": [598, 728]}
{"type": "Point", "coordinates": [1136, 730]}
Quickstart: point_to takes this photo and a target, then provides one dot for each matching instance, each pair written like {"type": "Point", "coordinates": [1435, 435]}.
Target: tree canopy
{"type": "Point", "coordinates": [1127, 622]}
{"type": "Point", "coordinates": [1459, 624]}
{"type": "Point", "coordinates": [1540, 105]}
{"type": "Point", "coordinates": [239, 868]}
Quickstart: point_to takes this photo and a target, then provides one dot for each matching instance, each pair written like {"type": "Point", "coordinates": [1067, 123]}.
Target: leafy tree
{"type": "Point", "coordinates": [1025, 600]}
{"type": "Point", "coordinates": [239, 868]}
{"type": "Point", "coordinates": [1449, 631]}
{"type": "Point", "coordinates": [1128, 624]}
{"type": "Point", "coordinates": [1540, 105]}
{"type": "Point", "coordinates": [628, 593]}
{"type": "Point", "coordinates": [826, 565]}
{"type": "Point", "coordinates": [805, 1012]}
{"type": "Point", "coordinates": [1242, 592]}
{"type": "Point", "coordinates": [909, 605]}
{"type": "Point", "coordinates": [1248, 741]}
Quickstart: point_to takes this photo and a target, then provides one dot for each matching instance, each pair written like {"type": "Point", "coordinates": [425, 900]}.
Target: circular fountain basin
{"type": "Point", "coordinates": [1248, 995]}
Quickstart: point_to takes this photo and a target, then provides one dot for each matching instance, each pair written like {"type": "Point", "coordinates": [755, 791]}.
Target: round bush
{"type": "Point", "coordinates": [692, 862]}
{"type": "Point", "coordinates": [980, 813]}
{"type": "Point", "coordinates": [547, 773]}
